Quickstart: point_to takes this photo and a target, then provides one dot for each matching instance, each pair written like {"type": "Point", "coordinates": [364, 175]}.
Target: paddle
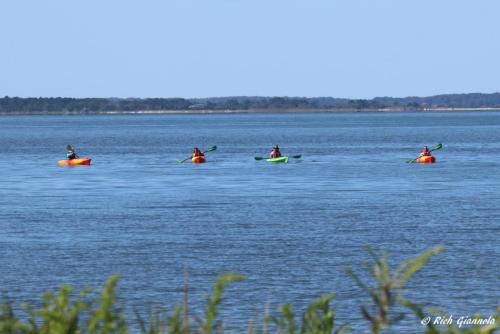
{"type": "Point", "coordinates": [210, 149]}
{"type": "Point", "coordinates": [293, 156]}
{"type": "Point", "coordinates": [438, 147]}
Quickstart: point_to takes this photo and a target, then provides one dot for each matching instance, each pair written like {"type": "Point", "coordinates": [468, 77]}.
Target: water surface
{"type": "Point", "coordinates": [288, 228]}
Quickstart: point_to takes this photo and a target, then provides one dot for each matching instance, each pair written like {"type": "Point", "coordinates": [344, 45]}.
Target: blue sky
{"type": "Point", "coordinates": [202, 48]}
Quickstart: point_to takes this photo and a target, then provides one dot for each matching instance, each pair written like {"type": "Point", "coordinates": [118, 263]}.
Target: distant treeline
{"type": "Point", "coordinates": [96, 105]}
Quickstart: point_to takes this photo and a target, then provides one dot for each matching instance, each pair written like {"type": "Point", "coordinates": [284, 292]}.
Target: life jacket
{"type": "Point", "coordinates": [71, 155]}
{"type": "Point", "coordinates": [198, 153]}
{"type": "Point", "coordinates": [275, 153]}
{"type": "Point", "coordinates": [425, 152]}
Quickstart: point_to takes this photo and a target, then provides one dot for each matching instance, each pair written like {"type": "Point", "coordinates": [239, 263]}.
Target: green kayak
{"type": "Point", "coordinates": [276, 160]}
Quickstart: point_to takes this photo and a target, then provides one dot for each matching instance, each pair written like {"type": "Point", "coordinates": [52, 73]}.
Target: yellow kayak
{"type": "Point", "coordinates": [74, 162]}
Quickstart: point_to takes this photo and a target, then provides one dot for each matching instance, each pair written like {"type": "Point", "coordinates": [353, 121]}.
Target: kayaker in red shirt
{"type": "Point", "coordinates": [197, 152]}
{"type": "Point", "coordinates": [425, 152]}
{"type": "Point", "coordinates": [275, 153]}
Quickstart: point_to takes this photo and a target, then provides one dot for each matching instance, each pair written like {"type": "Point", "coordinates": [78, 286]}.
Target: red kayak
{"type": "Point", "coordinates": [198, 160]}
{"type": "Point", "coordinates": [426, 159]}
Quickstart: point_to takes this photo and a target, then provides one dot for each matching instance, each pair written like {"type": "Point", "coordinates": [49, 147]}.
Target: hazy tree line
{"type": "Point", "coordinates": [96, 105]}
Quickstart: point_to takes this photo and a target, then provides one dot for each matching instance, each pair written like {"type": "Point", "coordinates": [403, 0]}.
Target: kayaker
{"type": "Point", "coordinates": [275, 153]}
{"type": "Point", "coordinates": [197, 152]}
{"type": "Point", "coordinates": [71, 154]}
{"type": "Point", "coordinates": [425, 152]}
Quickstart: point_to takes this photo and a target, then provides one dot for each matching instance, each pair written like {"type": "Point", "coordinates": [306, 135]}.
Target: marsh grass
{"type": "Point", "coordinates": [64, 312]}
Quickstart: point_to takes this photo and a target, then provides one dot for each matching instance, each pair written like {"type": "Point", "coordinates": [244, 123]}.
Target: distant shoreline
{"type": "Point", "coordinates": [243, 111]}
{"type": "Point", "coordinates": [245, 104]}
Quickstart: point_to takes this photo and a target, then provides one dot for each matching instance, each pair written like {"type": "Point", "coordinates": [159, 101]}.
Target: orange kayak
{"type": "Point", "coordinates": [74, 162]}
{"type": "Point", "coordinates": [198, 160]}
{"type": "Point", "coordinates": [426, 159]}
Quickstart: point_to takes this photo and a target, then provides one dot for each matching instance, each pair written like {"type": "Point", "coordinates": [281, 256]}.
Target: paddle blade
{"type": "Point", "coordinates": [211, 148]}
{"type": "Point", "coordinates": [410, 161]}
{"type": "Point", "coordinates": [438, 147]}
{"type": "Point", "coordinates": [259, 158]}
{"type": "Point", "coordinates": [296, 156]}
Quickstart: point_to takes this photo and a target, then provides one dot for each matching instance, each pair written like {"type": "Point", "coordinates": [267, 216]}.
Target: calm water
{"type": "Point", "coordinates": [288, 228]}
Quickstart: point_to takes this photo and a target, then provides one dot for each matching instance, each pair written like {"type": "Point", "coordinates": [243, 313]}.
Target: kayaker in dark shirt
{"type": "Point", "coordinates": [275, 153]}
{"type": "Point", "coordinates": [197, 152]}
{"type": "Point", "coordinates": [425, 152]}
{"type": "Point", "coordinates": [71, 153]}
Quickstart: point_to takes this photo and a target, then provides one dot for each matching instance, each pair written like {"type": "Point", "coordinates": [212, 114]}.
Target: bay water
{"type": "Point", "coordinates": [288, 228]}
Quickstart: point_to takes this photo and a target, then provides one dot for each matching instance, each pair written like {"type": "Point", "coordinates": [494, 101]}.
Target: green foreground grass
{"type": "Point", "coordinates": [65, 312]}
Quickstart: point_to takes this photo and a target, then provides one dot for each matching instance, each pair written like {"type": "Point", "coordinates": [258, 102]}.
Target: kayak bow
{"type": "Point", "coordinates": [278, 160]}
{"type": "Point", "coordinates": [198, 160]}
{"type": "Point", "coordinates": [426, 159]}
